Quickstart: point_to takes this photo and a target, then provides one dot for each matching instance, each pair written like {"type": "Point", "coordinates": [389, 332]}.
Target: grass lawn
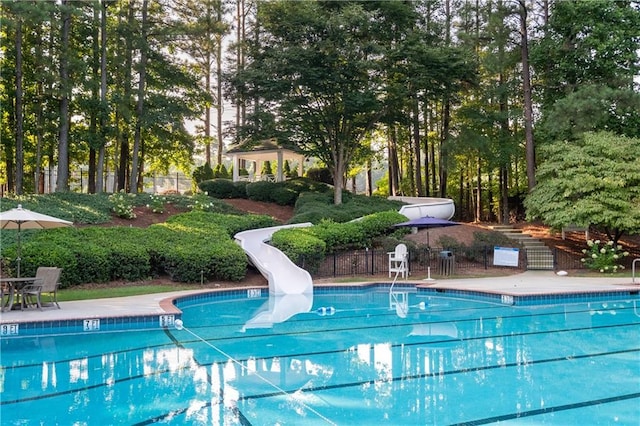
{"type": "Point", "coordinates": [66, 295]}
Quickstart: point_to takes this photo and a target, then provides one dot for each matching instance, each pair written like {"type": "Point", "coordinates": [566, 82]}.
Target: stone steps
{"type": "Point", "coordinates": [539, 256]}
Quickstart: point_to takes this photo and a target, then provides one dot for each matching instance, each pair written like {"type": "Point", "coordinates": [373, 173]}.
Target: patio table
{"type": "Point", "coordinates": [12, 286]}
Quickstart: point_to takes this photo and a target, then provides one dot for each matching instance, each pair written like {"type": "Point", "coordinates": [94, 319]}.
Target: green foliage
{"type": "Point", "coordinates": [129, 259]}
{"type": "Point", "coordinates": [284, 196]}
{"type": "Point", "coordinates": [77, 208]}
{"type": "Point", "coordinates": [313, 207]}
{"type": "Point", "coordinates": [157, 203]}
{"type": "Point", "coordinates": [586, 42]}
{"type": "Point", "coordinates": [320, 175]}
{"type": "Point", "coordinates": [356, 234]}
{"type": "Point", "coordinates": [260, 191]}
{"type": "Point", "coordinates": [303, 248]}
{"type": "Point", "coordinates": [47, 253]}
{"type": "Point", "coordinates": [208, 222]}
{"type": "Point", "coordinates": [202, 173]}
{"type": "Point", "coordinates": [122, 204]}
{"type": "Point", "coordinates": [482, 241]}
{"type": "Point", "coordinates": [380, 223]}
{"type": "Point", "coordinates": [221, 172]}
{"type": "Point", "coordinates": [266, 168]}
{"type": "Point", "coordinates": [223, 188]}
{"type": "Point", "coordinates": [339, 236]}
{"type": "Point", "coordinates": [204, 261]}
{"type": "Point", "coordinates": [189, 247]}
{"type": "Point", "coordinates": [595, 180]}
{"type": "Point", "coordinates": [202, 202]}
{"type": "Point", "coordinates": [594, 108]}
{"type": "Point", "coordinates": [603, 257]}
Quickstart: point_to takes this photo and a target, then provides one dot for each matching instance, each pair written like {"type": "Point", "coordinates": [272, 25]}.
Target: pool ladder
{"type": "Point", "coordinates": [633, 270]}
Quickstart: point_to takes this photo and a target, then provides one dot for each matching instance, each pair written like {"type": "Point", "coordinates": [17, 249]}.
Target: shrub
{"type": "Point", "coordinates": [201, 174]}
{"type": "Point", "coordinates": [266, 168]}
{"type": "Point", "coordinates": [219, 260]}
{"type": "Point", "coordinates": [130, 261]}
{"type": "Point", "coordinates": [156, 203]}
{"type": "Point", "coordinates": [47, 253]}
{"type": "Point", "coordinates": [603, 257]}
{"type": "Point", "coordinates": [320, 175]}
{"type": "Point", "coordinates": [201, 202]}
{"type": "Point", "coordinates": [122, 205]}
{"type": "Point", "coordinates": [381, 223]}
{"type": "Point", "coordinates": [221, 172]}
{"type": "Point", "coordinates": [260, 191]}
{"type": "Point", "coordinates": [339, 236]}
{"type": "Point", "coordinates": [284, 196]}
{"type": "Point", "coordinates": [218, 188]}
{"type": "Point", "coordinates": [206, 223]}
{"type": "Point", "coordinates": [303, 248]}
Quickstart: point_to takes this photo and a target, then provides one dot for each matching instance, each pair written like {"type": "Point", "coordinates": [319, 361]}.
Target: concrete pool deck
{"type": "Point", "coordinates": [527, 283]}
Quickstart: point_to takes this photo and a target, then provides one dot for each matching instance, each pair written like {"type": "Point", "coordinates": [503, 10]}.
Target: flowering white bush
{"type": "Point", "coordinates": [157, 203]}
{"type": "Point", "coordinates": [603, 257]}
{"type": "Point", "coordinates": [201, 202]}
{"type": "Point", "coordinates": [122, 205]}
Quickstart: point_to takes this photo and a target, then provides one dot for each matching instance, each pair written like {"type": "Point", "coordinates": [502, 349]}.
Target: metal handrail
{"type": "Point", "coordinates": [633, 270]}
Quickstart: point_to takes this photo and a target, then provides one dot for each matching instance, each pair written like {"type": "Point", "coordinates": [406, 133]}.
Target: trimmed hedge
{"type": "Point", "coordinates": [315, 207]}
{"type": "Point", "coordinates": [308, 246]}
{"type": "Point", "coordinates": [261, 191]}
{"type": "Point", "coordinates": [189, 247]}
{"type": "Point", "coordinates": [223, 188]}
{"type": "Point", "coordinates": [302, 247]}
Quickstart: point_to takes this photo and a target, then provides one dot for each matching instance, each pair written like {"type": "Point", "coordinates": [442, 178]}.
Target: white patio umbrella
{"type": "Point", "coordinates": [20, 219]}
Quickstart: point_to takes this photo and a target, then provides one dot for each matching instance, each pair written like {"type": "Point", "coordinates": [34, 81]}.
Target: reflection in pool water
{"type": "Point", "coordinates": [351, 357]}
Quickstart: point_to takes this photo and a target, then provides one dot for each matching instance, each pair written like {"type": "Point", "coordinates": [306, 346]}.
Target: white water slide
{"type": "Point", "coordinates": [441, 208]}
{"type": "Point", "coordinates": [286, 279]}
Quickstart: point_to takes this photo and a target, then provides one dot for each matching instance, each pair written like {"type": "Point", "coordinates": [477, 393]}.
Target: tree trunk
{"type": "Point", "coordinates": [528, 105]}
{"type": "Point", "coordinates": [39, 189]}
{"type": "Point", "coordinates": [446, 113]}
{"type": "Point", "coordinates": [394, 174]}
{"type": "Point", "coordinates": [94, 119]}
{"type": "Point", "coordinates": [369, 179]}
{"type": "Point", "coordinates": [102, 134]}
{"type": "Point", "coordinates": [220, 106]}
{"type": "Point", "coordinates": [140, 111]}
{"type": "Point", "coordinates": [417, 148]}
{"type": "Point", "coordinates": [62, 183]}
{"type": "Point", "coordinates": [444, 141]}
{"type": "Point", "coordinates": [338, 175]}
{"type": "Point", "coordinates": [478, 214]}
{"type": "Point", "coordinates": [123, 168]}
{"type": "Point", "coordinates": [19, 135]}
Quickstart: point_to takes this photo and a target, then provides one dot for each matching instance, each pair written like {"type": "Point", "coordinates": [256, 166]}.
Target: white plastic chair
{"type": "Point", "coordinates": [398, 261]}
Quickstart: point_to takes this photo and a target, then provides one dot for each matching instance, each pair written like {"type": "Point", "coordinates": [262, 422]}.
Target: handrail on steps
{"type": "Point", "coordinates": [633, 270]}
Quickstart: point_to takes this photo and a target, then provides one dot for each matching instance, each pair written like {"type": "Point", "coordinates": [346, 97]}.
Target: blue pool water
{"type": "Point", "coordinates": [355, 357]}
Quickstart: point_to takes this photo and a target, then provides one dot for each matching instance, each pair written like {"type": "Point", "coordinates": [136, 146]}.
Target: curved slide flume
{"type": "Point", "coordinates": [290, 287]}
{"type": "Point", "coordinates": [286, 279]}
{"type": "Point", "coordinates": [284, 276]}
{"type": "Point", "coordinates": [417, 207]}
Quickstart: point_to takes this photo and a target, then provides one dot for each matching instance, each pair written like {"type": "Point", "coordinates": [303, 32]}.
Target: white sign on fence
{"type": "Point", "coordinates": [505, 256]}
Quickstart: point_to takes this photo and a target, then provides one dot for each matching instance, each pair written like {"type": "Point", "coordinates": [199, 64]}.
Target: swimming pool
{"type": "Point", "coordinates": [356, 356]}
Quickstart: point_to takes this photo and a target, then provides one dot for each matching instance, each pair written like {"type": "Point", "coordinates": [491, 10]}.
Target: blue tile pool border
{"type": "Point", "coordinates": [531, 299]}
{"type": "Point", "coordinates": [87, 325]}
{"type": "Point", "coordinates": [160, 321]}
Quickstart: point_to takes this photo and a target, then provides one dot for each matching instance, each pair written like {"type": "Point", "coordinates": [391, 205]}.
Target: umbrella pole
{"type": "Point", "coordinates": [19, 251]}
{"type": "Point", "coordinates": [428, 265]}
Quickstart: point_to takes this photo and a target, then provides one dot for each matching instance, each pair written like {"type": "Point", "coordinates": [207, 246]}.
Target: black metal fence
{"type": "Point", "coordinates": [435, 261]}
{"type": "Point", "coordinates": [440, 262]}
